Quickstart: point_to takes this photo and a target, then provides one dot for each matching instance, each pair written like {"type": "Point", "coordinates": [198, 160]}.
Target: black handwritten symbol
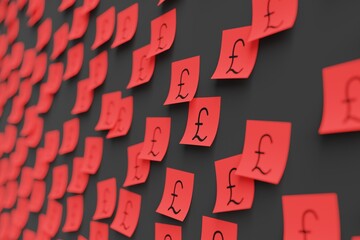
{"type": "Point", "coordinates": [167, 237]}
{"type": "Point", "coordinates": [218, 233]}
{"type": "Point", "coordinates": [137, 167]}
{"type": "Point", "coordinates": [259, 153]}
{"type": "Point", "coordinates": [105, 200]}
{"type": "Point", "coordinates": [230, 187]}
{"type": "Point", "coordinates": [304, 230]}
{"type": "Point", "coordinates": [109, 112]}
{"type": "Point", "coordinates": [174, 195]}
{"type": "Point", "coordinates": [119, 122]}
{"type": "Point", "coordinates": [180, 84]}
{"type": "Point", "coordinates": [124, 30]}
{"type": "Point", "coordinates": [141, 68]}
{"type": "Point", "coordinates": [268, 16]}
{"type": "Point", "coordinates": [164, 25]}
{"type": "Point", "coordinates": [153, 141]}
{"type": "Point", "coordinates": [349, 100]}
{"type": "Point", "coordinates": [126, 213]}
{"type": "Point", "coordinates": [233, 56]}
{"type": "Point", "coordinates": [199, 124]}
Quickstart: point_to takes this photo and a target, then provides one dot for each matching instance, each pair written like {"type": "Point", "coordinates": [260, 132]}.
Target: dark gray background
{"type": "Point", "coordinates": [286, 85]}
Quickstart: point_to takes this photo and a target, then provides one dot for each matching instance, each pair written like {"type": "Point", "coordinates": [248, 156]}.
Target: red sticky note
{"type": "Point", "coordinates": [84, 97]}
{"type": "Point", "coordinates": [71, 129]}
{"type": "Point", "coordinates": [5, 68]}
{"type": "Point", "coordinates": [203, 121]}
{"type": "Point", "coordinates": [311, 216]}
{"type": "Point", "coordinates": [5, 222]}
{"type": "Point", "coordinates": [124, 118]}
{"type": "Point", "coordinates": [142, 67]}
{"type": "Point", "coordinates": [29, 121]}
{"type": "Point", "coordinates": [60, 42]}
{"type": "Point", "coordinates": [214, 229]}
{"type": "Point", "coordinates": [37, 196]}
{"type": "Point", "coordinates": [75, 56]}
{"type": "Point", "coordinates": [232, 192]}
{"type": "Point", "coordinates": [163, 31]}
{"type": "Point", "coordinates": [184, 80]}
{"type": "Point", "coordinates": [59, 182]}
{"type": "Point", "coordinates": [98, 68]}
{"type": "Point", "coordinates": [17, 111]}
{"type": "Point", "coordinates": [4, 44]}
{"type": "Point", "coordinates": [45, 100]}
{"type": "Point", "coordinates": [25, 91]}
{"type": "Point", "coordinates": [39, 68]}
{"type": "Point", "coordinates": [127, 21]}
{"type": "Point", "coordinates": [272, 16]}
{"type": "Point", "coordinates": [167, 232]}
{"type": "Point", "coordinates": [43, 34]}
{"type": "Point", "coordinates": [21, 3]}
{"type": "Point", "coordinates": [110, 106]}
{"type": "Point", "coordinates": [265, 151]}
{"type": "Point", "coordinates": [40, 233]}
{"type": "Point", "coordinates": [17, 53]}
{"type": "Point", "coordinates": [138, 169]}
{"type": "Point", "coordinates": [92, 154]}
{"type": "Point", "coordinates": [79, 24]}
{"type": "Point", "coordinates": [90, 5]}
{"type": "Point", "coordinates": [74, 213]}
{"type": "Point", "coordinates": [53, 218]}
{"type": "Point", "coordinates": [33, 139]}
{"type": "Point", "coordinates": [98, 231]}
{"type": "Point", "coordinates": [106, 199]}
{"type": "Point", "coordinates": [105, 24]}
{"type": "Point", "coordinates": [81, 237]}
{"type": "Point", "coordinates": [65, 4]}
{"type": "Point", "coordinates": [13, 30]}
{"type": "Point", "coordinates": [28, 234]}
{"type": "Point", "coordinates": [157, 137]}
{"type": "Point", "coordinates": [13, 172]}
{"type": "Point", "coordinates": [55, 73]}
{"type": "Point", "coordinates": [20, 215]}
{"type": "Point", "coordinates": [177, 196]}
{"type": "Point", "coordinates": [355, 238]}
{"type": "Point", "coordinates": [41, 167]}
{"type": "Point", "coordinates": [11, 194]}
{"type": "Point", "coordinates": [11, 13]}
{"type": "Point", "coordinates": [10, 138]}
{"type": "Point", "coordinates": [237, 55]}
{"type": "Point", "coordinates": [19, 156]}
{"type": "Point", "coordinates": [4, 168]}
{"type": "Point", "coordinates": [127, 214]}
{"type": "Point", "coordinates": [79, 180]}
{"type": "Point", "coordinates": [28, 63]}
{"type": "Point", "coordinates": [341, 107]}
{"type": "Point", "coordinates": [35, 11]}
{"type": "Point", "coordinates": [26, 182]}
{"type": "Point", "coordinates": [13, 83]}
{"type": "Point", "coordinates": [51, 144]}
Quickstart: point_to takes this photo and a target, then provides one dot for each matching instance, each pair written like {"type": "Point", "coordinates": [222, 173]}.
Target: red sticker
{"type": "Point", "coordinates": [34, 138]}
{"type": "Point", "coordinates": [232, 192]}
{"type": "Point", "coordinates": [110, 106]}
{"type": "Point", "coordinates": [127, 21]}
{"type": "Point", "coordinates": [341, 108]}
{"type": "Point", "coordinates": [5, 68]}
{"type": "Point", "coordinates": [5, 222]}
{"type": "Point", "coordinates": [40, 69]}
{"type": "Point", "coordinates": [4, 168]}
{"type": "Point", "coordinates": [45, 100]}
{"type": "Point", "coordinates": [79, 24]}
{"type": "Point", "coordinates": [311, 216]}
{"type": "Point", "coordinates": [106, 199]}
{"type": "Point", "coordinates": [105, 24]}
{"type": "Point", "coordinates": [13, 30]}
{"type": "Point", "coordinates": [98, 231]}
{"type": "Point", "coordinates": [35, 11]}
{"type": "Point", "coordinates": [17, 54]}
{"type": "Point", "coordinates": [75, 56]}
{"type": "Point", "coordinates": [92, 154]}
{"type": "Point", "coordinates": [177, 196]}
{"type": "Point", "coordinates": [74, 213]}
{"type": "Point", "coordinates": [19, 156]}
{"type": "Point", "coordinates": [214, 229]}
{"type": "Point", "coordinates": [71, 129]}
{"type": "Point", "coordinates": [167, 232]}
{"type": "Point", "coordinates": [17, 111]}
{"type": "Point", "coordinates": [29, 121]}
{"type": "Point", "coordinates": [60, 41]}
{"type": "Point", "coordinates": [98, 68]}
{"type": "Point", "coordinates": [11, 194]}
{"type": "Point", "coordinates": [138, 169]}
{"type": "Point", "coordinates": [272, 16]}
{"type": "Point", "coordinates": [128, 213]}
{"type": "Point", "coordinates": [37, 196]}
{"type": "Point", "coordinates": [84, 97]}
{"type": "Point", "coordinates": [142, 67]}
{"type": "Point", "coordinates": [203, 121]}
{"type": "Point", "coordinates": [10, 138]}
{"type": "Point", "coordinates": [4, 44]}
{"type": "Point", "coordinates": [41, 167]}
{"type": "Point", "coordinates": [53, 218]}
{"type": "Point", "coordinates": [26, 182]}
{"type": "Point", "coordinates": [43, 34]}
{"type": "Point", "coordinates": [157, 137]}
{"type": "Point", "coordinates": [355, 238]}
{"type": "Point", "coordinates": [124, 118]}
{"type": "Point", "coordinates": [265, 151]}
{"type": "Point", "coordinates": [11, 13]}
{"type": "Point", "coordinates": [184, 80]}
{"type": "Point", "coordinates": [59, 182]}
{"type": "Point", "coordinates": [51, 144]}
{"type": "Point", "coordinates": [25, 91]}
{"type": "Point", "coordinates": [237, 56]}
{"type": "Point", "coordinates": [13, 84]}
{"type": "Point", "coordinates": [20, 213]}
{"type": "Point", "coordinates": [55, 73]}
{"type": "Point", "coordinates": [90, 5]}
{"type": "Point", "coordinates": [40, 233]}
{"type": "Point", "coordinates": [21, 3]}
{"type": "Point", "coordinates": [163, 31]}
{"type": "Point", "coordinates": [81, 237]}
{"type": "Point", "coordinates": [29, 234]}
{"type": "Point", "coordinates": [79, 180]}
{"type": "Point", "coordinates": [28, 63]}
{"type": "Point", "coordinates": [65, 4]}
